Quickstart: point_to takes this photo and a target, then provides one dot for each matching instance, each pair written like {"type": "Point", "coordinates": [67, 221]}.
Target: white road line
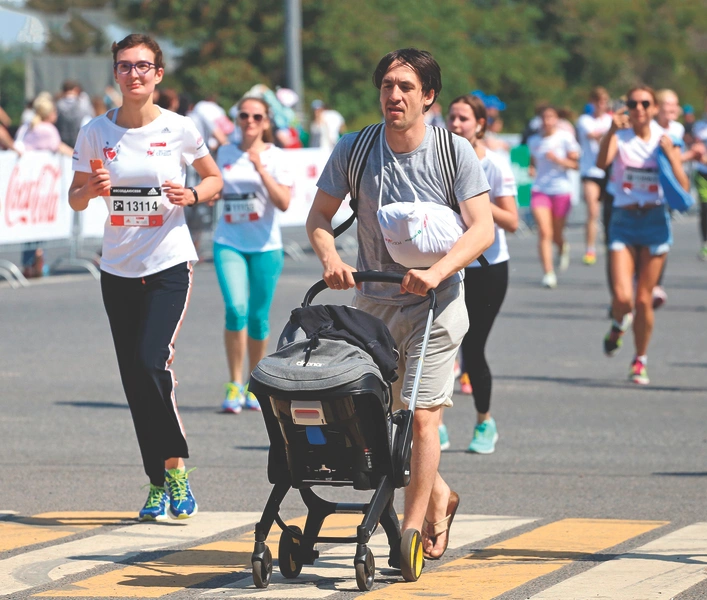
{"type": "Point", "coordinates": [334, 572]}
{"type": "Point", "coordinates": [656, 571]}
{"type": "Point", "coordinates": [46, 565]}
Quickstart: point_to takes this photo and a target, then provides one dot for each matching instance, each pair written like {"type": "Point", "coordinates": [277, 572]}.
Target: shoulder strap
{"type": "Point", "coordinates": [448, 164]}
{"type": "Point", "coordinates": [357, 164]}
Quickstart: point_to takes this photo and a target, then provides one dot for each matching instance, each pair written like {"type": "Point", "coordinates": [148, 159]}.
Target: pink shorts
{"type": "Point", "coordinates": [559, 204]}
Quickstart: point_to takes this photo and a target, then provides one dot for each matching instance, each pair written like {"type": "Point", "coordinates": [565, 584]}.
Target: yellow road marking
{"type": "Point", "coordinates": [18, 532]}
{"type": "Point", "coordinates": [190, 567]}
{"type": "Point", "coordinates": [487, 573]}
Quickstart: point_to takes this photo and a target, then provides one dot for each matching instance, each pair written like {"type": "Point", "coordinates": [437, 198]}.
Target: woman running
{"type": "Point", "coordinates": [248, 253]}
{"type": "Point", "coordinates": [553, 152]}
{"type": "Point", "coordinates": [590, 129]}
{"type": "Point", "coordinates": [484, 288]}
{"type": "Point", "coordinates": [639, 230]}
{"type": "Point", "coordinates": [135, 157]}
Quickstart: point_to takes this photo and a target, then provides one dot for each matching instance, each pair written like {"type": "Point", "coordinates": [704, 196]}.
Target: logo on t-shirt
{"type": "Point", "coordinates": [166, 130]}
{"type": "Point", "coordinates": [153, 192]}
{"type": "Point", "coordinates": [158, 144]}
{"type": "Point", "coordinates": [110, 154]}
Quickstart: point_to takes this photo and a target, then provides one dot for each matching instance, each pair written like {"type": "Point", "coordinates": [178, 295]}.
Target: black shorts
{"type": "Point", "coordinates": [598, 180]}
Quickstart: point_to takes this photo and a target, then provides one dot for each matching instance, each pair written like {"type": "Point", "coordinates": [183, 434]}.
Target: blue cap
{"type": "Point", "coordinates": [688, 110]}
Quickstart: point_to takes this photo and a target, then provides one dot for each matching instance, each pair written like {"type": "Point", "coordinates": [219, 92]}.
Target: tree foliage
{"type": "Point", "coordinates": [521, 50]}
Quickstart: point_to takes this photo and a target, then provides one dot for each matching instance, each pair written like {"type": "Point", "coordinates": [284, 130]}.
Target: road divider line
{"type": "Point", "coordinates": [488, 573]}
{"type": "Point", "coordinates": [658, 570]}
{"type": "Point", "coordinates": [45, 565]}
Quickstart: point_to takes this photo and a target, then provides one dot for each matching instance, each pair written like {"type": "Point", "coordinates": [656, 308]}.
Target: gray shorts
{"type": "Point", "coordinates": [407, 326]}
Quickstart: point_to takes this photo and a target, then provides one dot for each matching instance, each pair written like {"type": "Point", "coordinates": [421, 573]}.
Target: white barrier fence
{"type": "Point", "coordinates": [34, 205]}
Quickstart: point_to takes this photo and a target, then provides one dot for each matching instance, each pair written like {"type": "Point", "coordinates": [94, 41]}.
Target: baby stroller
{"type": "Point", "coordinates": [327, 410]}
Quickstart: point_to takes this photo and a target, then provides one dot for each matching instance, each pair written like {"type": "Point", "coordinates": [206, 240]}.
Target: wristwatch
{"type": "Point", "coordinates": [196, 196]}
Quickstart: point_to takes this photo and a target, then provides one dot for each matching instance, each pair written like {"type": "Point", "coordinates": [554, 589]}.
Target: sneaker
{"type": "Point", "coordinates": [233, 403]}
{"type": "Point", "coordinates": [702, 255]}
{"type": "Point", "coordinates": [638, 373]}
{"type": "Point", "coordinates": [443, 438]}
{"type": "Point", "coordinates": [589, 259]}
{"type": "Point", "coordinates": [251, 402]}
{"type": "Point", "coordinates": [155, 508]}
{"type": "Point", "coordinates": [465, 384]}
{"type": "Point", "coordinates": [612, 340]}
{"type": "Point", "coordinates": [182, 504]}
{"type": "Point", "coordinates": [485, 438]}
{"type": "Point", "coordinates": [565, 257]}
{"type": "Point", "coordinates": [549, 280]}
{"type": "Point", "coordinates": [659, 297]}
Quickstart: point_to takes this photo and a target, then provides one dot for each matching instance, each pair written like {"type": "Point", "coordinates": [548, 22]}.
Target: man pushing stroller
{"type": "Point", "coordinates": [423, 211]}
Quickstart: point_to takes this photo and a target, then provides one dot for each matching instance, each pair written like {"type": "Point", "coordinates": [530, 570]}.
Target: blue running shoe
{"type": "Point", "coordinates": [443, 438]}
{"type": "Point", "coordinates": [251, 402]}
{"type": "Point", "coordinates": [182, 504]}
{"type": "Point", "coordinates": [485, 438]}
{"type": "Point", "coordinates": [233, 403]}
{"type": "Point", "coordinates": [155, 508]}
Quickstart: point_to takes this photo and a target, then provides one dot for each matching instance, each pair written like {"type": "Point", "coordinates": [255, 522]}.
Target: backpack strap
{"type": "Point", "coordinates": [357, 164]}
{"type": "Point", "coordinates": [447, 158]}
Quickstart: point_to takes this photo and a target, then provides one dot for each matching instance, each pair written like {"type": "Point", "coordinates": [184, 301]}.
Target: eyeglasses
{"type": "Point", "coordinates": [633, 104]}
{"type": "Point", "coordinates": [142, 67]}
{"type": "Point", "coordinates": [244, 116]}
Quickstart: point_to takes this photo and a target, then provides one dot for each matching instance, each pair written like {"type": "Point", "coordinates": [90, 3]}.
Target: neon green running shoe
{"type": "Point", "coordinates": [182, 504]}
{"type": "Point", "coordinates": [155, 508]}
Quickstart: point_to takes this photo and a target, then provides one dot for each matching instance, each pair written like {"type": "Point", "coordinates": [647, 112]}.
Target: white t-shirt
{"type": "Point", "coordinates": [503, 183]}
{"type": "Point", "coordinates": [140, 160]}
{"type": "Point", "coordinates": [326, 134]}
{"type": "Point", "coordinates": [551, 178]}
{"type": "Point", "coordinates": [250, 222]}
{"type": "Point", "coordinates": [699, 132]}
{"type": "Point", "coordinates": [587, 124]}
{"type": "Point", "coordinates": [207, 116]}
{"type": "Point", "coordinates": [675, 130]}
{"type": "Point", "coordinates": [634, 172]}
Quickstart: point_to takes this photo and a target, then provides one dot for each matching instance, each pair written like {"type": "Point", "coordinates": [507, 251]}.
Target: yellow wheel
{"type": "Point", "coordinates": [411, 559]}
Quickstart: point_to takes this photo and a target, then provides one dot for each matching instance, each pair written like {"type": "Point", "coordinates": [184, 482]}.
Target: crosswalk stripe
{"type": "Point", "coordinates": [660, 569]}
{"type": "Point", "coordinates": [333, 572]}
{"type": "Point", "coordinates": [42, 566]}
{"type": "Point", "coordinates": [505, 566]}
{"type": "Point", "coordinates": [185, 568]}
{"type": "Point", "coordinates": [48, 527]}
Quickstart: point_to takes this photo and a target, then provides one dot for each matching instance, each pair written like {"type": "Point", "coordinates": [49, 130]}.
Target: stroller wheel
{"type": "Point", "coordinates": [365, 571]}
{"type": "Point", "coordinates": [411, 559]}
{"type": "Point", "coordinates": [262, 569]}
{"type": "Point", "coordinates": [290, 567]}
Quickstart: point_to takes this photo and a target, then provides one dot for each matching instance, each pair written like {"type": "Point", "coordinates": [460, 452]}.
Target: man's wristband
{"type": "Point", "coordinates": [196, 196]}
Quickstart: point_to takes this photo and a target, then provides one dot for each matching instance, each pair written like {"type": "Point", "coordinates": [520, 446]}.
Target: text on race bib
{"type": "Point", "coordinates": [136, 207]}
{"type": "Point", "coordinates": [241, 208]}
{"type": "Point", "coordinates": [640, 180]}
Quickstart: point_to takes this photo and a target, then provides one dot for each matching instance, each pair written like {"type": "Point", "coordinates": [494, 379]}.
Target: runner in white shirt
{"type": "Point", "coordinates": [248, 253]}
{"type": "Point", "coordinates": [484, 288]}
{"type": "Point", "coordinates": [590, 130]}
{"type": "Point", "coordinates": [639, 231]}
{"type": "Point", "coordinates": [136, 158]}
{"type": "Point", "coordinates": [553, 153]}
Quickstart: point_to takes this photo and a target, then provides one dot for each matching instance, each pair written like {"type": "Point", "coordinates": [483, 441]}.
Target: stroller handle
{"type": "Point", "coordinates": [364, 276]}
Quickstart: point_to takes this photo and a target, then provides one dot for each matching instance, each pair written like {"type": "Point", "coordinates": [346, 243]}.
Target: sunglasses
{"type": "Point", "coordinates": [142, 67]}
{"type": "Point", "coordinates": [633, 104]}
{"type": "Point", "coordinates": [244, 116]}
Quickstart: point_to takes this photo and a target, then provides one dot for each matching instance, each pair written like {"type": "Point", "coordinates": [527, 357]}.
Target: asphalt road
{"type": "Point", "coordinates": [576, 438]}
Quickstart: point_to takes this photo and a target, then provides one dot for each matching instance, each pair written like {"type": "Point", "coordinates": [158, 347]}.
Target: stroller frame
{"type": "Point", "coordinates": [296, 547]}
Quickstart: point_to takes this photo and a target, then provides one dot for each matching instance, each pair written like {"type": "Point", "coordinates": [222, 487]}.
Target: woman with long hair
{"type": "Point", "coordinates": [135, 157]}
{"type": "Point", "coordinates": [639, 231]}
{"type": "Point", "coordinates": [484, 288]}
{"type": "Point", "coordinates": [554, 152]}
{"type": "Point", "coordinates": [248, 252]}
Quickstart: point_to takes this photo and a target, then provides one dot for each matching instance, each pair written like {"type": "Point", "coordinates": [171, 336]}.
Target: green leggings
{"type": "Point", "coordinates": [248, 281]}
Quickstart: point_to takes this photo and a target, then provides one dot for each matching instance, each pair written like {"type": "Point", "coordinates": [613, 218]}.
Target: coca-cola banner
{"type": "Point", "coordinates": [34, 204]}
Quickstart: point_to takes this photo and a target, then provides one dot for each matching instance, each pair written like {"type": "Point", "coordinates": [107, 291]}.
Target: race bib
{"type": "Point", "coordinates": [241, 208]}
{"type": "Point", "coordinates": [136, 207]}
{"type": "Point", "coordinates": [640, 180]}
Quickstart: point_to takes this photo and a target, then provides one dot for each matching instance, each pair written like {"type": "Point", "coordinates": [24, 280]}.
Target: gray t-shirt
{"type": "Point", "coordinates": [423, 170]}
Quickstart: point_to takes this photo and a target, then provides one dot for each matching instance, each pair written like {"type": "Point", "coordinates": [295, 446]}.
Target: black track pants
{"type": "Point", "coordinates": [145, 315]}
{"type": "Point", "coordinates": [484, 291]}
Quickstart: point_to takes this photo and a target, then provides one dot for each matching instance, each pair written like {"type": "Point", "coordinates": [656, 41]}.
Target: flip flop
{"type": "Point", "coordinates": [433, 530]}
